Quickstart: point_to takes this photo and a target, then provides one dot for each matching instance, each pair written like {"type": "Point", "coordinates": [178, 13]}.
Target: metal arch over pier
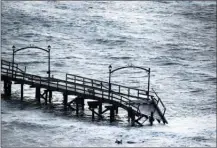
{"type": "Point", "coordinates": [130, 66]}
{"type": "Point", "coordinates": [34, 47]}
{"type": "Point", "coordinates": [141, 105]}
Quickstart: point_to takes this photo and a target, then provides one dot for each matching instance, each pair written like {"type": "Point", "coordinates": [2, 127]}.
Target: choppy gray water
{"type": "Point", "coordinates": [177, 40]}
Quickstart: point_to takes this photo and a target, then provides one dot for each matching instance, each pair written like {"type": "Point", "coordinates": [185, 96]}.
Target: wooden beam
{"type": "Point", "coordinates": [93, 111]}
{"type": "Point", "coordinates": [140, 124]}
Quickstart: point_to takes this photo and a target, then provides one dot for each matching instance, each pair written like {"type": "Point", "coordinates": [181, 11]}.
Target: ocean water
{"type": "Point", "coordinates": [177, 40]}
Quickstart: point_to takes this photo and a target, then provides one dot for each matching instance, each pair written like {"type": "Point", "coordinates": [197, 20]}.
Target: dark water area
{"type": "Point", "coordinates": [177, 40]}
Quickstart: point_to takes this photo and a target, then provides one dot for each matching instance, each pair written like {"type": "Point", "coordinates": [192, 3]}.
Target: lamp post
{"type": "Point", "coordinates": [13, 47]}
{"type": "Point", "coordinates": [149, 71]}
{"type": "Point", "coordinates": [49, 47]}
{"type": "Point", "coordinates": [110, 69]}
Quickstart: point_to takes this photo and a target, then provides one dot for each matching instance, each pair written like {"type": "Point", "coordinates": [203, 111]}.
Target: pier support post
{"type": "Point", "coordinates": [116, 110]}
{"type": "Point", "coordinates": [131, 116]}
{"type": "Point", "coordinates": [7, 87]}
{"type": "Point", "coordinates": [92, 105]}
{"type": "Point", "coordinates": [151, 118]}
{"type": "Point", "coordinates": [100, 108]}
{"type": "Point", "coordinates": [111, 108]}
{"type": "Point", "coordinates": [93, 114]}
{"type": "Point", "coordinates": [129, 113]}
{"type": "Point", "coordinates": [38, 94]}
{"type": "Point", "coordinates": [82, 103]}
{"type": "Point", "coordinates": [46, 97]}
{"type": "Point", "coordinates": [50, 96]}
{"type": "Point", "coordinates": [112, 114]}
{"type": "Point", "coordinates": [65, 101]}
{"type": "Point", "coordinates": [21, 92]}
{"type": "Point", "coordinates": [77, 107]}
{"type": "Point", "coordinates": [133, 119]}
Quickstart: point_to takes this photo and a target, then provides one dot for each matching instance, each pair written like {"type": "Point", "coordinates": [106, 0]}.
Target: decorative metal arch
{"type": "Point", "coordinates": [47, 50]}
{"type": "Point", "coordinates": [35, 47]}
{"type": "Point", "coordinates": [129, 66]}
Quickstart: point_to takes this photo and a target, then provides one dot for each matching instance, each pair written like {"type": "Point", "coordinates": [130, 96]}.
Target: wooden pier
{"type": "Point", "coordinates": [141, 105]}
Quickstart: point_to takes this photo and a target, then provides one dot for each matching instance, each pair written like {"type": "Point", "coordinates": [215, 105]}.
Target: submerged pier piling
{"type": "Point", "coordinates": [38, 94]}
{"type": "Point", "coordinates": [21, 88]}
{"type": "Point", "coordinates": [50, 96]}
{"type": "Point", "coordinates": [7, 87]}
{"type": "Point", "coordinates": [65, 101]}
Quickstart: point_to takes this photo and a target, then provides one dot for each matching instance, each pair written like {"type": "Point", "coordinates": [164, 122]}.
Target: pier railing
{"type": "Point", "coordinates": [158, 102]}
{"type": "Point", "coordinates": [118, 89]}
{"type": "Point", "coordinates": [89, 89]}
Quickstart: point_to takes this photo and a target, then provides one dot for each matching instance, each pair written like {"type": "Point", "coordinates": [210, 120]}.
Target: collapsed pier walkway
{"type": "Point", "coordinates": [141, 105]}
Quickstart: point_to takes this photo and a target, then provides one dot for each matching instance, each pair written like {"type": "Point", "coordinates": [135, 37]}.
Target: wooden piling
{"type": "Point", "coordinates": [133, 119]}
{"type": "Point", "coordinates": [50, 96]}
{"type": "Point", "coordinates": [129, 113]}
{"type": "Point", "coordinates": [93, 114]}
{"type": "Point", "coordinates": [112, 114]}
{"type": "Point", "coordinates": [38, 94]}
{"type": "Point", "coordinates": [131, 116]}
{"type": "Point", "coordinates": [116, 110]}
{"type": "Point", "coordinates": [21, 92]}
{"type": "Point", "coordinates": [46, 97]}
{"type": "Point", "coordinates": [65, 101]}
{"type": "Point", "coordinates": [100, 108]}
{"type": "Point", "coordinates": [77, 107]}
{"type": "Point", "coordinates": [151, 118]}
{"type": "Point", "coordinates": [111, 108]}
{"type": "Point", "coordinates": [92, 105]}
{"type": "Point", "coordinates": [82, 104]}
{"type": "Point", "coordinates": [7, 87]}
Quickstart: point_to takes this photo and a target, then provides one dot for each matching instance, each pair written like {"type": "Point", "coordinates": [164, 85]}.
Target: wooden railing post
{"type": "Point", "coordinates": [128, 92]}
{"type": "Point", "coordinates": [75, 86]}
{"type": "Point", "coordinates": [15, 74]}
{"type": "Point", "coordinates": [23, 76]}
{"type": "Point", "coordinates": [102, 93]}
{"type": "Point", "coordinates": [92, 83]}
{"type": "Point", "coordinates": [66, 82]}
{"type": "Point", "coordinates": [16, 67]}
{"type": "Point", "coordinates": [32, 79]}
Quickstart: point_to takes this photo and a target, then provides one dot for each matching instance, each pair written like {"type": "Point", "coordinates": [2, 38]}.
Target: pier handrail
{"type": "Point", "coordinates": [34, 78]}
{"type": "Point", "coordinates": [140, 94]}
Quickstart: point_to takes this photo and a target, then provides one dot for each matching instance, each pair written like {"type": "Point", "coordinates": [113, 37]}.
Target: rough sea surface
{"type": "Point", "coordinates": [177, 40]}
